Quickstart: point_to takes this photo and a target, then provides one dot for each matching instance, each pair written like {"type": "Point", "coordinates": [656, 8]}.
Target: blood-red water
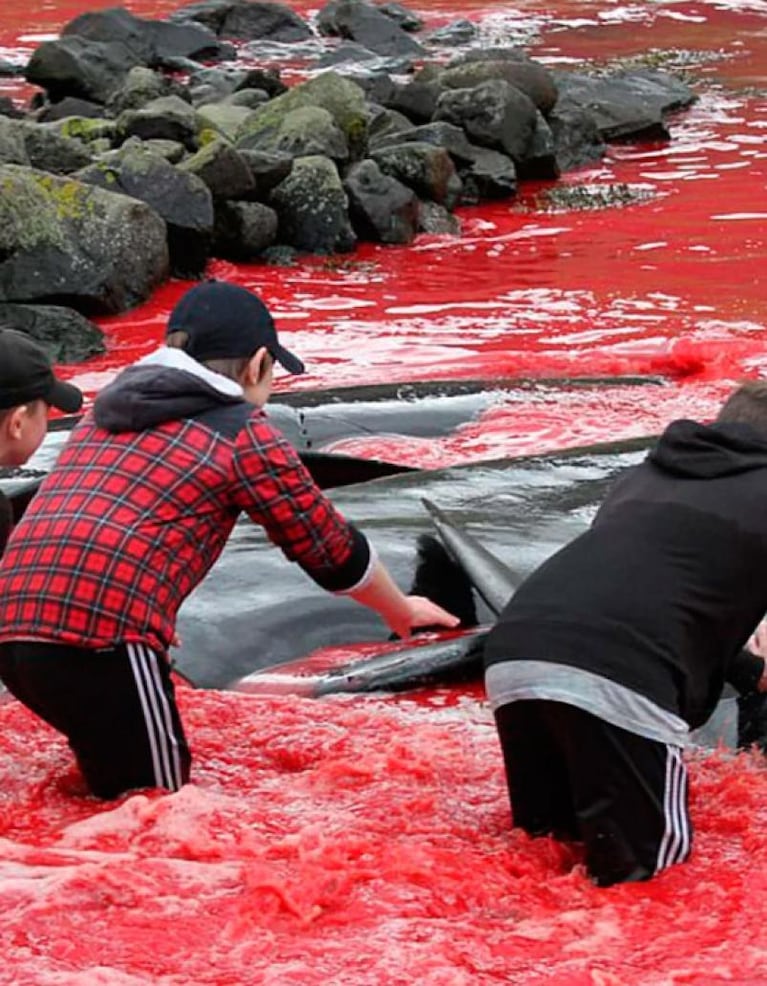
{"type": "Point", "coordinates": [366, 841]}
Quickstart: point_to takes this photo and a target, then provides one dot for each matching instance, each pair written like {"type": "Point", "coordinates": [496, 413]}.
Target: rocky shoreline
{"type": "Point", "coordinates": [154, 146]}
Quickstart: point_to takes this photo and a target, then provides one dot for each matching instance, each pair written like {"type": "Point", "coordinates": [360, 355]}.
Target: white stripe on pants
{"type": "Point", "coordinates": [161, 735]}
{"type": "Point", "coordinates": [675, 844]}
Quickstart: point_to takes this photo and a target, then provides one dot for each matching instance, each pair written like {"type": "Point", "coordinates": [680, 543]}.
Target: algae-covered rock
{"type": "Point", "coordinates": [343, 99]}
{"type": "Point", "coordinates": [313, 209]}
{"type": "Point", "coordinates": [66, 242]}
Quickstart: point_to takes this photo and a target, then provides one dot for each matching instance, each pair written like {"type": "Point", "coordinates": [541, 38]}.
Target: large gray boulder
{"type": "Point", "coordinates": [426, 168]}
{"type": "Point", "coordinates": [153, 42]}
{"type": "Point", "coordinates": [243, 230]}
{"type": "Point", "coordinates": [179, 197]}
{"type": "Point", "coordinates": [344, 100]}
{"type": "Point", "coordinates": [62, 240]}
{"type": "Point", "coordinates": [382, 209]}
{"type": "Point", "coordinates": [247, 20]}
{"type": "Point", "coordinates": [626, 105]}
{"type": "Point", "coordinates": [302, 132]}
{"type": "Point", "coordinates": [74, 66]}
{"type": "Point", "coordinates": [532, 78]}
{"type": "Point", "coordinates": [494, 114]}
{"type": "Point", "coordinates": [313, 209]}
{"type": "Point", "coordinates": [366, 24]}
{"type": "Point", "coordinates": [165, 118]}
{"type": "Point", "coordinates": [223, 169]}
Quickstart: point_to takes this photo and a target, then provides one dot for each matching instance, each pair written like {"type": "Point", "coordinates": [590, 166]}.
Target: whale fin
{"type": "Point", "coordinates": [440, 578]}
{"type": "Point", "coordinates": [493, 580]}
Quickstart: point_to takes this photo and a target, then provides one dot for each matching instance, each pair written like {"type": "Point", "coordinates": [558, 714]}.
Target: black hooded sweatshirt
{"type": "Point", "coordinates": [662, 592]}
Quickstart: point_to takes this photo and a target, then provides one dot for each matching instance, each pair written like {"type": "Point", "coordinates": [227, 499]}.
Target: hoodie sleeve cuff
{"type": "Point", "coordinates": [355, 572]}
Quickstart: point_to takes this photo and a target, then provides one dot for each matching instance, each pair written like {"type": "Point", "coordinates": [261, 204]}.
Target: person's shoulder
{"type": "Point", "coordinates": [227, 420]}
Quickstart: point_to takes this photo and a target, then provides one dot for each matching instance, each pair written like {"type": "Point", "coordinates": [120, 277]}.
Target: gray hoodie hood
{"type": "Point", "coordinates": [165, 386]}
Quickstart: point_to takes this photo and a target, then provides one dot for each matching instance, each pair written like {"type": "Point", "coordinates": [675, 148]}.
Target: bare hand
{"type": "Point", "coordinates": [757, 642]}
{"type": "Point", "coordinates": [424, 613]}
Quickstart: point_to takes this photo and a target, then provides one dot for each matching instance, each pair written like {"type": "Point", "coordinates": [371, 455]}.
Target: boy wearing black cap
{"type": "Point", "coordinates": [620, 643]}
{"type": "Point", "coordinates": [28, 387]}
{"type": "Point", "coordinates": [138, 508]}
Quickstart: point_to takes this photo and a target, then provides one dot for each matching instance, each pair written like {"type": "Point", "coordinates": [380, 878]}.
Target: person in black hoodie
{"type": "Point", "coordinates": [135, 512]}
{"type": "Point", "coordinates": [622, 641]}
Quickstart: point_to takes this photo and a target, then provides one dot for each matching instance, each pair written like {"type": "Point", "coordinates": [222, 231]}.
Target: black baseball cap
{"type": "Point", "coordinates": [26, 375]}
{"type": "Point", "coordinates": [225, 321]}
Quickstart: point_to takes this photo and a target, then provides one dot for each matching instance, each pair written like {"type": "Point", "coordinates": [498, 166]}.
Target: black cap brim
{"type": "Point", "coordinates": [285, 358]}
{"type": "Point", "coordinates": [65, 397]}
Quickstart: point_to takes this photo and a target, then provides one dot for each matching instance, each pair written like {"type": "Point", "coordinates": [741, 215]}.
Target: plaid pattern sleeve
{"type": "Point", "coordinates": [275, 489]}
{"type": "Point", "coordinates": [118, 535]}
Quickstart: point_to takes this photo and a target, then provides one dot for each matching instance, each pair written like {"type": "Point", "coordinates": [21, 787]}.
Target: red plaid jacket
{"type": "Point", "coordinates": [128, 523]}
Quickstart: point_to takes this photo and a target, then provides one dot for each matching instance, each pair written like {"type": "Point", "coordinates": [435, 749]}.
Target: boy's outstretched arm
{"type": "Point", "coordinates": [401, 613]}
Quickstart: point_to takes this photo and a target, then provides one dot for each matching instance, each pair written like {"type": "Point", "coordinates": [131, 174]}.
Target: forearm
{"type": "Point", "coordinates": [380, 593]}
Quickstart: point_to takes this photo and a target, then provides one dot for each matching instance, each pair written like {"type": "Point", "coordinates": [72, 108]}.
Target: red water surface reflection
{"type": "Point", "coordinates": [670, 285]}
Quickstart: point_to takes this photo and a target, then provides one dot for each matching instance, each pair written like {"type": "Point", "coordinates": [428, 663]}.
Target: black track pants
{"type": "Point", "coordinates": [578, 777]}
{"type": "Point", "coordinates": [117, 709]}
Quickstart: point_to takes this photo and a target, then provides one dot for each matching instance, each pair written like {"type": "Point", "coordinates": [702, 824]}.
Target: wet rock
{"type": "Point", "coordinates": [64, 241]}
{"type": "Point", "coordinates": [153, 42]}
{"type": "Point", "coordinates": [225, 171]}
{"type": "Point", "coordinates": [68, 337]}
{"type": "Point", "coordinates": [493, 114]}
{"type": "Point", "coordinates": [301, 132]}
{"type": "Point", "coordinates": [344, 100]}
{"type": "Point", "coordinates": [247, 19]}
{"type": "Point", "coordinates": [626, 105]}
{"type": "Point", "coordinates": [427, 169]}
{"type": "Point", "coordinates": [243, 230]}
{"type": "Point", "coordinates": [577, 141]}
{"type": "Point", "coordinates": [539, 160]}
{"type": "Point", "coordinates": [368, 26]}
{"type": "Point", "coordinates": [312, 208]}
{"type": "Point", "coordinates": [490, 175]}
{"type": "Point", "coordinates": [436, 220]}
{"type": "Point", "coordinates": [382, 209]}
{"type": "Point", "coordinates": [180, 198]}
{"type": "Point", "coordinates": [407, 19]}
{"type": "Point", "coordinates": [460, 32]}
{"type": "Point", "coordinates": [167, 118]}
{"type": "Point", "coordinates": [531, 78]}
{"type": "Point", "coordinates": [74, 66]}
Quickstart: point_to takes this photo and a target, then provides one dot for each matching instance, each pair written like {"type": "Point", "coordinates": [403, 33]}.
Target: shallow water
{"type": "Point", "coordinates": [672, 285]}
